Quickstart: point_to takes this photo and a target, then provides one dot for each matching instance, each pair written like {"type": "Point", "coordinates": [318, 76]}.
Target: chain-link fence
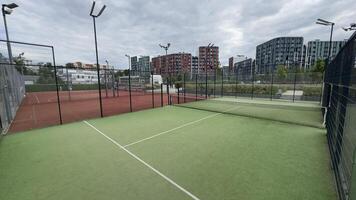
{"type": "Point", "coordinates": [339, 100]}
{"type": "Point", "coordinates": [12, 91]}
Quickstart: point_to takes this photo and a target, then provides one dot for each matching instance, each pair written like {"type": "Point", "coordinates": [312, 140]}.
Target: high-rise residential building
{"type": "Point", "coordinates": [144, 67]}
{"type": "Point", "coordinates": [233, 61]}
{"type": "Point", "coordinates": [279, 51]}
{"type": "Point", "coordinates": [134, 66]}
{"type": "Point", "coordinates": [245, 69]}
{"type": "Point", "coordinates": [172, 64]}
{"type": "Point", "coordinates": [319, 50]}
{"type": "Point", "coordinates": [208, 59]}
{"type": "Point", "coordinates": [195, 65]}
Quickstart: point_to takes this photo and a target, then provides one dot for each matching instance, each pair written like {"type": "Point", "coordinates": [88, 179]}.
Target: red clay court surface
{"type": "Point", "coordinates": [40, 109]}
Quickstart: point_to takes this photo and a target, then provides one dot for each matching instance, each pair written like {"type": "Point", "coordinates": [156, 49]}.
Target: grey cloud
{"type": "Point", "coordinates": [136, 27]}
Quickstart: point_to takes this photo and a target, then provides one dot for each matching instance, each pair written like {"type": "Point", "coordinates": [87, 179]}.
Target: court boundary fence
{"type": "Point", "coordinates": [339, 102]}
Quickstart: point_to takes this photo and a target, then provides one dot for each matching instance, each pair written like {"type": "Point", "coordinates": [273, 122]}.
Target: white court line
{"type": "Point", "coordinates": [173, 129]}
{"type": "Point", "coordinates": [179, 127]}
{"type": "Point", "coordinates": [38, 101]}
{"type": "Point", "coordinates": [143, 162]}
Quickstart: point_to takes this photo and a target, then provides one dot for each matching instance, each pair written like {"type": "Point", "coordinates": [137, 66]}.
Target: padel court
{"type": "Point", "coordinates": [215, 149]}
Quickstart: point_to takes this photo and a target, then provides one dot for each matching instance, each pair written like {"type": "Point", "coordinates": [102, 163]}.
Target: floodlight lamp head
{"type": "Point", "coordinates": [11, 5]}
{"type": "Point", "coordinates": [92, 10]}
{"type": "Point", "coordinates": [168, 45]}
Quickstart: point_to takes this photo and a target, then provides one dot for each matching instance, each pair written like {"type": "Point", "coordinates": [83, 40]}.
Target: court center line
{"type": "Point", "coordinates": [144, 163]}
{"type": "Point", "coordinates": [179, 127]}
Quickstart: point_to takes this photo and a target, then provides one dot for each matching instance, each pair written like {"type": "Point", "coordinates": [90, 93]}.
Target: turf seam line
{"type": "Point", "coordinates": [144, 163]}
{"type": "Point", "coordinates": [173, 129]}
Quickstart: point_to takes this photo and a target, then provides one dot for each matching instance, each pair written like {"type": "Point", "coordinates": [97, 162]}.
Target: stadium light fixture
{"type": "Point", "coordinates": [331, 24]}
{"type": "Point", "coordinates": [352, 27]}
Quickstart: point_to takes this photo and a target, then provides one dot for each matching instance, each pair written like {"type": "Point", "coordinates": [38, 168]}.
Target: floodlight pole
{"type": "Point", "coordinates": [326, 23]}
{"type": "Point", "coordinates": [98, 68]}
{"type": "Point", "coordinates": [330, 41]}
{"type": "Point", "coordinates": [6, 31]}
{"type": "Point", "coordinates": [166, 50]}
{"type": "Point", "coordinates": [129, 59]}
{"type": "Point", "coordinates": [96, 52]}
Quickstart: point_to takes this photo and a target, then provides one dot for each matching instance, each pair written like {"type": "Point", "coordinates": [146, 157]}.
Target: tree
{"type": "Point", "coordinates": [69, 65]}
{"type": "Point", "coordinates": [282, 72]}
{"type": "Point", "coordinates": [46, 73]}
{"type": "Point", "coordinates": [319, 66]}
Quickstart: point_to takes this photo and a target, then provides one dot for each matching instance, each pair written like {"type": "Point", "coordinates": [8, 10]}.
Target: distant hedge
{"type": "Point", "coordinates": [52, 87]}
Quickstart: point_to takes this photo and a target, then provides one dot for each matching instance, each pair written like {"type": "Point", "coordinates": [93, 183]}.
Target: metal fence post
{"type": "Point", "coordinates": [214, 83]}
{"type": "Point", "coordinates": [184, 87]}
{"type": "Point", "coordinates": [168, 90]}
{"type": "Point", "coordinates": [321, 89]}
{"type": "Point", "coordinates": [153, 97]}
{"type": "Point", "coordinates": [196, 86]}
{"type": "Point", "coordinates": [253, 83]}
{"type": "Point", "coordinates": [222, 82]}
{"type": "Point", "coordinates": [178, 95]}
{"type": "Point", "coordinates": [206, 84]}
{"type": "Point", "coordinates": [295, 82]}
{"type": "Point", "coordinates": [161, 94]}
{"type": "Point", "coordinates": [272, 76]}
{"type": "Point", "coordinates": [236, 78]}
{"type": "Point", "coordinates": [130, 90]}
{"type": "Point", "coordinates": [56, 79]}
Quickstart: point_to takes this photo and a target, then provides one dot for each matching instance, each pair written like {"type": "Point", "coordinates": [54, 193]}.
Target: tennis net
{"type": "Point", "coordinates": [298, 113]}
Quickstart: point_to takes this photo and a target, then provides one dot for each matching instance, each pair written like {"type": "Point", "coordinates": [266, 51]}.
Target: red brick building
{"type": "Point", "coordinates": [172, 63]}
{"type": "Point", "coordinates": [208, 59]}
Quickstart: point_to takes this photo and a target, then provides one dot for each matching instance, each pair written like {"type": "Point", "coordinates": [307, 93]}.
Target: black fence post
{"type": "Point", "coordinates": [253, 83]}
{"type": "Point", "coordinates": [178, 95]}
{"type": "Point", "coordinates": [272, 77]}
{"type": "Point", "coordinates": [161, 94]}
{"type": "Point", "coordinates": [214, 83]}
{"type": "Point", "coordinates": [130, 90]}
{"type": "Point", "coordinates": [184, 87]}
{"type": "Point", "coordinates": [321, 89]}
{"type": "Point", "coordinates": [295, 82]}
{"type": "Point", "coordinates": [236, 79]}
{"type": "Point", "coordinates": [153, 97]}
{"type": "Point", "coordinates": [222, 82]}
{"type": "Point", "coordinates": [168, 90]}
{"type": "Point", "coordinates": [206, 84]}
{"type": "Point", "coordinates": [196, 86]}
{"type": "Point", "coordinates": [118, 89]}
{"type": "Point", "coordinates": [56, 79]}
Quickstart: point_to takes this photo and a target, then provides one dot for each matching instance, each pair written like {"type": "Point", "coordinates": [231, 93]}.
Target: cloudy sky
{"type": "Point", "coordinates": [136, 27]}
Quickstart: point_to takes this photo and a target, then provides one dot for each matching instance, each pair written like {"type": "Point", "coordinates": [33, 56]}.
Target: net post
{"type": "Point", "coordinates": [161, 94]}
{"type": "Point", "coordinates": [153, 97]}
{"type": "Point", "coordinates": [130, 90]}
{"type": "Point", "coordinates": [222, 82]}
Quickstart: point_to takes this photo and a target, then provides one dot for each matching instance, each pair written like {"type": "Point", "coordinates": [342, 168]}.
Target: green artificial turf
{"type": "Point", "coordinates": [221, 157]}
